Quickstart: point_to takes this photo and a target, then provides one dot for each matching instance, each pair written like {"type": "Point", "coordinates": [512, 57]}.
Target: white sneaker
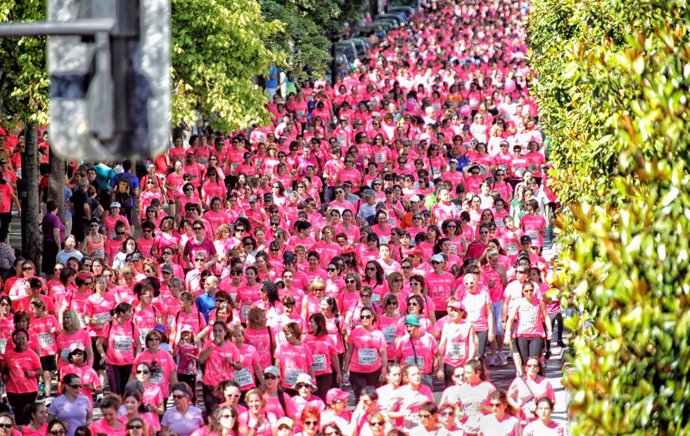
{"type": "Point", "coordinates": [491, 361]}
{"type": "Point", "coordinates": [503, 359]}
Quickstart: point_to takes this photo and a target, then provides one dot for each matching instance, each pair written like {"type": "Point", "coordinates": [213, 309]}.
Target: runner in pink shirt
{"type": "Point", "coordinates": [531, 315]}
{"type": "Point", "coordinates": [293, 357]}
{"type": "Point", "coordinates": [161, 363]}
{"type": "Point", "coordinates": [366, 357]}
{"type": "Point", "coordinates": [24, 367]}
{"type": "Point", "coordinates": [110, 424]}
{"type": "Point", "coordinates": [458, 341]}
{"type": "Point", "coordinates": [251, 373]}
{"type": "Point", "coordinates": [477, 303]}
{"type": "Point", "coordinates": [122, 338]}
{"type": "Point", "coordinates": [222, 358]}
{"type": "Point", "coordinates": [326, 364]}
{"type": "Point", "coordinates": [256, 419]}
{"type": "Point", "coordinates": [46, 327]}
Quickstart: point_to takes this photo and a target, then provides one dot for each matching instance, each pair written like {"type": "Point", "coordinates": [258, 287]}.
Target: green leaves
{"type": "Point", "coordinates": [616, 109]}
{"type": "Point", "coordinates": [218, 49]}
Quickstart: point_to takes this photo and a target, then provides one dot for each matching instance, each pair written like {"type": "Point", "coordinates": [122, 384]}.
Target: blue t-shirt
{"type": "Point", "coordinates": [273, 82]}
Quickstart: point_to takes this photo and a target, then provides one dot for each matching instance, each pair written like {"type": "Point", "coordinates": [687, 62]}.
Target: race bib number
{"type": "Point", "coordinates": [367, 356]}
{"type": "Point", "coordinates": [512, 249]}
{"type": "Point", "coordinates": [45, 340]}
{"type": "Point", "coordinates": [393, 222]}
{"type": "Point", "coordinates": [389, 334]}
{"type": "Point", "coordinates": [319, 363]}
{"type": "Point", "coordinates": [234, 165]}
{"type": "Point", "coordinates": [454, 249]}
{"type": "Point", "coordinates": [102, 318]}
{"type": "Point", "coordinates": [533, 234]}
{"type": "Point", "coordinates": [500, 224]}
{"type": "Point", "coordinates": [376, 298]}
{"type": "Point", "coordinates": [411, 360]}
{"type": "Point", "coordinates": [341, 141]}
{"type": "Point", "coordinates": [123, 344]}
{"type": "Point", "coordinates": [156, 377]}
{"type": "Point", "coordinates": [244, 311]}
{"type": "Point", "coordinates": [82, 321]}
{"type": "Point", "coordinates": [471, 409]}
{"type": "Point", "coordinates": [383, 240]}
{"type": "Point", "coordinates": [291, 376]}
{"type": "Point", "coordinates": [64, 355]}
{"type": "Point", "coordinates": [300, 114]}
{"type": "Point", "coordinates": [142, 334]}
{"type": "Point", "coordinates": [456, 350]}
{"type": "Point", "coordinates": [530, 321]}
{"type": "Point", "coordinates": [243, 377]}
{"type": "Point", "coordinates": [3, 345]}
{"type": "Point", "coordinates": [474, 102]}
{"type": "Point", "coordinates": [380, 157]}
{"type": "Point", "coordinates": [97, 253]}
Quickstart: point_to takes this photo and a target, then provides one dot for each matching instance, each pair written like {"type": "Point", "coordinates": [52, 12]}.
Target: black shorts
{"type": "Point", "coordinates": [48, 363]}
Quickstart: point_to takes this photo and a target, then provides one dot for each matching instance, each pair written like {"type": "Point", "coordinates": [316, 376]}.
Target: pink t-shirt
{"type": "Point", "coordinates": [121, 342]}
{"type": "Point", "coordinates": [441, 286]}
{"type": "Point", "coordinates": [264, 429]}
{"type": "Point", "coordinates": [165, 365]}
{"type": "Point", "coordinates": [421, 354]}
{"type": "Point", "coordinates": [475, 304]}
{"type": "Point", "coordinates": [217, 367]}
{"type": "Point", "coordinates": [17, 363]}
{"type": "Point", "coordinates": [294, 360]}
{"type": "Point", "coordinates": [245, 376]}
{"type": "Point", "coordinates": [100, 426]}
{"type": "Point", "coordinates": [64, 341]}
{"type": "Point", "coordinates": [530, 319]}
{"type": "Point", "coordinates": [366, 356]}
{"type": "Point", "coordinates": [458, 339]}
{"type": "Point", "coordinates": [321, 348]}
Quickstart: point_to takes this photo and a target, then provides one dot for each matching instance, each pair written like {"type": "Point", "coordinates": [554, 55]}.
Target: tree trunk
{"type": "Point", "coordinates": [56, 184]}
{"type": "Point", "coordinates": [31, 232]}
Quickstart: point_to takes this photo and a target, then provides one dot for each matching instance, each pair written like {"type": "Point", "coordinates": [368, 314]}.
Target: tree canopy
{"type": "Point", "coordinates": [23, 79]}
{"type": "Point", "coordinates": [613, 92]}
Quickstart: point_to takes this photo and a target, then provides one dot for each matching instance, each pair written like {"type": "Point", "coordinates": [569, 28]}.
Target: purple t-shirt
{"type": "Point", "coordinates": [50, 221]}
{"type": "Point", "coordinates": [71, 413]}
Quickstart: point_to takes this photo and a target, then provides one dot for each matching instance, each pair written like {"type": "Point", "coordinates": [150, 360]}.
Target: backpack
{"type": "Point", "coordinates": [122, 190]}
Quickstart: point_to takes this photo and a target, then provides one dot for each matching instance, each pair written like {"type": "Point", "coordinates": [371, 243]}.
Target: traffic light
{"type": "Point", "coordinates": [110, 87]}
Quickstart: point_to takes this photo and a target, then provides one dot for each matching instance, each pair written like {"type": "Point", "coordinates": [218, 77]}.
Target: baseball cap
{"type": "Point", "coordinates": [274, 370]}
{"type": "Point", "coordinates": [284, 422]}
{"type": "Point", "coordinates": [525, 239]}
{"type": "Point", "coordinates": [335, 394]}
{"type": "Point", "coordinates": [415, 199]}
{"type": "Point", "coordinates": [412, 319]}
{"type": "Point", "coordinates": [437, 258]}
{"type": "Point", "coordinates": [115, 204]}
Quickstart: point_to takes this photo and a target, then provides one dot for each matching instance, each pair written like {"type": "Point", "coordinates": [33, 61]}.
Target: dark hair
{"type": "Point", "coordinates": [320, 321]}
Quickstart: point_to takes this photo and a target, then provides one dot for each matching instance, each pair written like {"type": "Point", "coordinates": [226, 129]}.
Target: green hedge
{"type": "Point", "coordinates": [613, 79]}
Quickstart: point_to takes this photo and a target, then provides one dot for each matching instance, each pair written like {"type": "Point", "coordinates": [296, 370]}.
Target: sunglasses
{"type": "Point", "coordinates": [61, 431]}
{"type": "Point", "coordinates": [365, 317]}
{"type": "Point", "coordinates": [198, 228]}
{"type": "Point", "coordinates": [269, 377]}
{"type": "Point", "coordinates": [377, 423]}
{"type": "Point", "coordinates": [310, 423]}
{"type": "Point", "coordinates": [75, 386]}
{"type": "Point", "coordinates": [27, 268]}
{"type": "Point", "coordinates": [145, 371]}
{"type": "Point", "coordinates": [135, 427]}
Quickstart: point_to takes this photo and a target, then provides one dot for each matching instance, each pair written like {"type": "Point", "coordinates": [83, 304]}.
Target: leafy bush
{"type": "Point", "coordinates": [613, 82]}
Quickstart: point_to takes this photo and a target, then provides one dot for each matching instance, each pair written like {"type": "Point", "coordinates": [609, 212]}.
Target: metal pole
{"type": "Point", "coordinates": [89, 26]}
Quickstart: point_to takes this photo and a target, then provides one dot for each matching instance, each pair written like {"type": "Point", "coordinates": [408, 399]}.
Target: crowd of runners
{"type": "Point", "coordinates": [381, 235]}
